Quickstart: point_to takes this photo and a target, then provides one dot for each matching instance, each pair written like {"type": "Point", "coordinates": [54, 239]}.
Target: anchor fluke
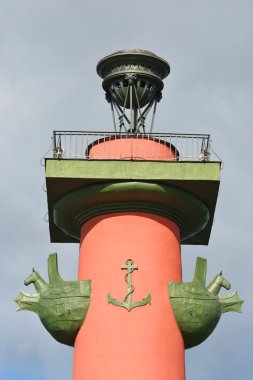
{"type": "Point", "coordinates": [130, 306]}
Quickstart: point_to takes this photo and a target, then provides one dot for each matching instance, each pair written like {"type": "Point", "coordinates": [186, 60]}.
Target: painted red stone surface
{"type": "Point", "coordinates": [145, 343]}
{"type": "Point", "coordinates": [132, 148]}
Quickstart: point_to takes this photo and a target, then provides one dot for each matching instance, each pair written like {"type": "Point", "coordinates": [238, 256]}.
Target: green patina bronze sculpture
{"type": "Point", "coordinates": [61, 305]}
{"type": "Point", "coordinates": [127, 303]}
{"type": "Point", "coordinates": [198, 308]}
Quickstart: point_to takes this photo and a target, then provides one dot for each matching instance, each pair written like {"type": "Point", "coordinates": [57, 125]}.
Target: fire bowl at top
{"type": "Point", "coordinates": [124, 67]}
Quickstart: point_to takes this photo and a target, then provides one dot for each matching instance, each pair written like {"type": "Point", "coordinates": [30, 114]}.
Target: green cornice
{"type": "Point", "coordinates": [201, 179]}
{"type": "Point", "coordinates": [76, 207]}
{"type": "Point", "coordinates": [142, 170]}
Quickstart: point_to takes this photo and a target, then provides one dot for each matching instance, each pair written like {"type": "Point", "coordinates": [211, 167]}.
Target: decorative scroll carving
{"type": "Point", "coordinates": [140, 69]}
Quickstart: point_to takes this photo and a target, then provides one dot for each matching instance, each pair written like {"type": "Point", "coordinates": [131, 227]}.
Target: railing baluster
{"type": "Point", "coordinates": [76, 146]}
{"type": "Point", "coordinates": [181, 149]}
{"type": "Point", "coordinates": [65, 147]}
{"type": "Point", "coordinates": [81, 153]}
{"type": "Point", "coordinates": [115, 151]}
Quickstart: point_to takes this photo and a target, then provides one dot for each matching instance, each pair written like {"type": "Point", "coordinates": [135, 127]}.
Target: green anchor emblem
{"type": "Point", "coordinates": [127, 303]}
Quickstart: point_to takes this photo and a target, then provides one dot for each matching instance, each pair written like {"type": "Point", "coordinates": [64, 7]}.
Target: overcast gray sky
{"type": "Point", "coordinates": [48, 81]}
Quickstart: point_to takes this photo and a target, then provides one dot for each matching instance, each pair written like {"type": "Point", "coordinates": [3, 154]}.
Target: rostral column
{"type": "Point", "coordinates": [130, 198]}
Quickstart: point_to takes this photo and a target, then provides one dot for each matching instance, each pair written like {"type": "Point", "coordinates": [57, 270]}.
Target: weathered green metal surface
{"type": "Point", "coordinates": [75, 208]}
{"type": "Point", "coordinates": [61, 305]}
{"type": "Point", "coordinates": [198, 308]}
{"type": "Point", "coordinates": [137, 63]}
{"type": "Point", "coordinates": [91, 170]}
{"type": "Point", "coordinates": [199, 179]}
{"type": "Point", "coordinates": [127, 303]}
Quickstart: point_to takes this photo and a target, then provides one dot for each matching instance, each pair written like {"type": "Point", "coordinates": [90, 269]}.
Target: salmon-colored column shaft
{"type": "Point", "coordinates": [144, 343]}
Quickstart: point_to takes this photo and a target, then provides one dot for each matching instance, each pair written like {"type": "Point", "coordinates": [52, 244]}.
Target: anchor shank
{"type": "Point", "coordinates": [129, 287]}
{"type": "Point", "coordinates": [130, 268]}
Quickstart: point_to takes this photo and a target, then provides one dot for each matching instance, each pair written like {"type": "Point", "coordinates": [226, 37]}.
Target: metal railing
{"type": "Point", "coordinates": [78, 145]}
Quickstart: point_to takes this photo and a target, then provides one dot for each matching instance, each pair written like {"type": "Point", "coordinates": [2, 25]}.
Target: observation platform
{"type": "Point", "coordinates": [182, 161]}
